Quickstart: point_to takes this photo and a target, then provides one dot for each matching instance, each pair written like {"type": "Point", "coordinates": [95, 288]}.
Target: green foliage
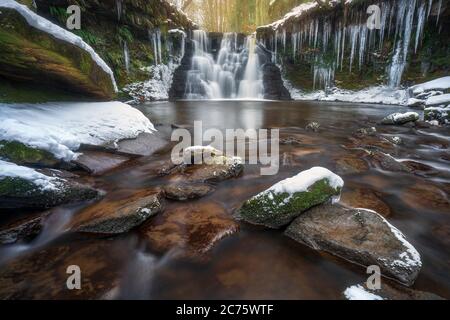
{"type": "Point", "coordinates": [88, 37]}
{"type": "Point", "coordinates": [125, 34]}
{"type": "Point", "coordinates": [59, 13]}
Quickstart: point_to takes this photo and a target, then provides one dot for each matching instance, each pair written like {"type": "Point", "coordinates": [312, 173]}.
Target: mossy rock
{"type": "Point", "coordinates": [17, 192]}
{"type": "Point", "coordinates": [275, 210]}
{"type": "Point", "coordinates": [21, 154]}
{"type": "Point", "coordinates": [33, 56]}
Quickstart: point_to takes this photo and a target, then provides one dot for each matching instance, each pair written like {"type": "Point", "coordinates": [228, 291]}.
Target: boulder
{"type": "Point", "coordinates": [439, 114]}
{"type": "Point", "coordinates": [387, 292]}
{"type": "Point", "coordinates": [119, 215]}
{"type": "Point", "coordinates": [400, 118]}
{"type": "Point", "coordinates": [187, 191]}
{"type": "Point", "coordinates": [313, 126]}
{"type": "Point", "coordinates": [360, 236]}
{"type": "Point", "coordinates": [36, 51]}
{"type": "Point", "coordinates": [286, 200]}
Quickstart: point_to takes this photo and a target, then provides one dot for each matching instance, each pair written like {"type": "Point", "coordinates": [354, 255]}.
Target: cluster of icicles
{"type": "Point", "coordinates": [234, 74]}
{"type": "Point", "coordinates": [355, 41]}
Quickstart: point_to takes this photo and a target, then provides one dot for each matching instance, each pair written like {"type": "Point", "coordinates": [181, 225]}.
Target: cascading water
{"type": "Point", "coordinates": [233, 75]}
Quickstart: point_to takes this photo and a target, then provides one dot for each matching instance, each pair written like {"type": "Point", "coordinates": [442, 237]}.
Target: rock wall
{"type": "Point", "coordinates": [324, 46]}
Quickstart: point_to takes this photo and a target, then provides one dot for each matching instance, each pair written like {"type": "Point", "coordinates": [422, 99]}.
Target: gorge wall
{"type": "Point", "coordinates": [320, 47]}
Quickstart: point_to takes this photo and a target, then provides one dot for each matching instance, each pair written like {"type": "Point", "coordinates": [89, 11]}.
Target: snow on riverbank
{"type": "Point", "coordinates": [60, 128]}
{"type": "Point", "coordinates": [8, 169]}
{"type": "Point", "coordinates": [46, 26]}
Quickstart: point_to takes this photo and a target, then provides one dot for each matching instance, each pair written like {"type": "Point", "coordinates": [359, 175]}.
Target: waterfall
{"type": "Point", "coordinates": [119, 9]}
{"type": "Point", "coordinates": [126, 56]}
{"type": "Point", "coordinates": [233, 74]}
{"type": "Point", "coordinates": [155, 38]}
{"type": "Point", "coordinates": [251, 85]}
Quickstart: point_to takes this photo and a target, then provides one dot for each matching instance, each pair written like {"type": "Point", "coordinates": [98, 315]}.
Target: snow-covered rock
{"type": "Point", "coordinates": [61, 128]}
{"type": "Point", "coordinates": [438, 100]}
{"type": "Point", "coordinates": [413, 102]}
{"type": "Point", "coordinates": [437, 115]}
{"type": "Point", "coordinates": [284, 201]}
{"type": "Point", "coordinates": [361, 236]}
{"type": "Point", "coordinates": [437, 84]}
{"type": "Point", "coordinates": [400, 118]}
{"type": "Point", "coordinates": [22, 187]}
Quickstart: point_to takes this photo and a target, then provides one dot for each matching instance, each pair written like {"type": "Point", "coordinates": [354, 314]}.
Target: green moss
{"type": "Point", "coordinates": [277, 210]}
{"type": "Point", "coordinates": [13, 186]}
{"type": "Point", "coordinates": [21, 154]}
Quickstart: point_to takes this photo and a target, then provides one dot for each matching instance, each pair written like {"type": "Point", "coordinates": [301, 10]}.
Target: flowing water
{"type": "Point", "coordinates": [234, 73]}
{"type": "Point", "coordinates": [254, 262]}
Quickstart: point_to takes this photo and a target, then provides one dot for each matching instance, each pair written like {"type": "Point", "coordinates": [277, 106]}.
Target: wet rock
{"type": "Point", "coordinates": [362, 132]}
{"type": "Point", "coordinates": [280, 204]}
{"type": "Point", "coordinates": [400, 118]}
{"type": "Point", "coordinates": [420, 168]}
{"type": "Point", "coordinates": [186, 191]}
{"type": "Point", "coordinates": [23, 229]}
{"type": "Point", "coordinates": [439, 114]}
{"type": "Point", "coordinates": [97, 163]}
{"type": "Point", "coordinates": [360, 236]}
{"type": "Point", "coordinates": [395, 140]}
{"type": "Point", "coordinates": [426, 196]}
{"type": "Point", "coordinates": [118, 216]}
{"type": "Point", "coordinates": [313, 126]}
{"type": "Point", "coordinates": [21, 154]}
{"type": "Point", "coordinates": [30, 55]}
{"type": "Point", "coordinates": [290, 141]}
{"type": "Point", "coordinates": [274, 88]}
{"type": "Point", "coordinates": [144, 144]}
{"type": "Point", "coordinates": [194, 228]}
{"type": "Point", "coordinates": [387, 162]}
{"type": "Point", "coordinates": [365, 198]}
{"type": "Point", "coordinates": [393, 292]}
{"type": "Point", "coordinates": [16, 192]}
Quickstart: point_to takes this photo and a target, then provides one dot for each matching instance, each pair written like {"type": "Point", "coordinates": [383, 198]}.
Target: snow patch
{"type": "Point", "coordinates": [60, 128]}
{"type": "Point", "coordinates": [359, 293]}
{"type": "Point", "coordinates": [46, 26]}
{"type": "Point", "coordinates": [438, 100]}
{"type": "Point", "coordinates": [437, 84]}
{"type": "Point", "coordinates": [304, 180]}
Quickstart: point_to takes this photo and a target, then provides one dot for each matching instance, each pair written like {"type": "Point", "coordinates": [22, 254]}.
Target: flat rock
{"type": "Point", "coordinates": [400, 118]}
{"type": "Point", "coordinates": [144, 144]}
{"type": "Point", "coordinates": [115, 216]}
{"type": "Point", "coordinates": [193, 227]}
{"type": "Point", "coordinates": [360, 236]}
{"type": "Point", "coordinates": [97, 162]}
{"type": "Point", "coordinates": [351, 164]}
{"type": "Point", "coordinates": [187, 191]}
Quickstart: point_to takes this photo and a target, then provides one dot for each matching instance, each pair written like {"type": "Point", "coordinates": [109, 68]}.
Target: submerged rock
{"type": "Point", "coordinates": [400, 118]}
{"type": "Point", "coordinates": [365, 198]}
{"type": "Point", "coordinates": [97, 162]}
{"type": "Point", "coordinates": [313, 126]}
{"type": "Point", "coordinates": [119, 216]}
{"type": "Point", "coordinates": [360, 236]}
{"type": "Point", "coordinates": [194, 228]}
{"type": "Point", "coordinates": [287, 199]}
{"type": "Point", "coordinates": [38, 51]}
{"type": "Point", "coordinates": [387, 162]}
{"type": "Point", "coordinates": [187, 191]}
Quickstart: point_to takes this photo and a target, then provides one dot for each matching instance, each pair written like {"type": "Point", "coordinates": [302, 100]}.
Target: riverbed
{"type": "Point", "coordinates": [250, 262]}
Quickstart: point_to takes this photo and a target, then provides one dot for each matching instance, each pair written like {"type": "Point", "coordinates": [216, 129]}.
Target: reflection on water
{"type": "Point", "coordinates": [253, 263]}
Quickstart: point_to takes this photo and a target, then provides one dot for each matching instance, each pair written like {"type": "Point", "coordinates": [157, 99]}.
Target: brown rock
{"type": "Point", "coordinates": [195, 228]}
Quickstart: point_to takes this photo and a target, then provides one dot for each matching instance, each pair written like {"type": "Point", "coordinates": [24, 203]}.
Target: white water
{"type": "Point", "coordinates": [155, 38]}
{"type": "Point", "coordinates": [233, 75]}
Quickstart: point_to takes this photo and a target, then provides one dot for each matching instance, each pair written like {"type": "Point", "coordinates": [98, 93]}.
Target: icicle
{"type": "Point", "coordinates": [119, 9]}
{"type": "Point", "coordinates": [430, 6]}
{"type": "Point", "coordinates": [362, 44]}
{"type": "Point", "coordinates": [354, 31]}
{"type": "Point", "coordinates": [439, 12]}
{"type": "Point", "coordinates": [126, 57]}
{"type": "Point", "coordinates": [420, 25]}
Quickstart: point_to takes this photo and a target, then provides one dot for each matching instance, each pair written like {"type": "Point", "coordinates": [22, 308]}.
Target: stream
{"type": "Point", "coordinates": [253, 262]}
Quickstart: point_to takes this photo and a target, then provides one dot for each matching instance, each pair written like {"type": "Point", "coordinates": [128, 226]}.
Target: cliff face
{"type": "Point", "coordinates": [331, 45]}
{"type": "Point", "coordinates": [128, 35]}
